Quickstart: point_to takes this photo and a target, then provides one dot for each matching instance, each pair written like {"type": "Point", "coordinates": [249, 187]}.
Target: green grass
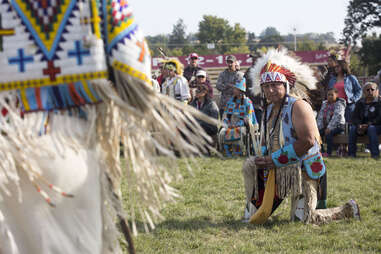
{"type": "Point", "coordinates": [208, 217]}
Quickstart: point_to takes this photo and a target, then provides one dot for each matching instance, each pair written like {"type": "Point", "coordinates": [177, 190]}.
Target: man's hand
{"type": "Point", "coordinates": [264, 162]}
{"type": "Point", "coordinates": [362, 129]}
{"type": "Point", "coordinates": [327, 131]}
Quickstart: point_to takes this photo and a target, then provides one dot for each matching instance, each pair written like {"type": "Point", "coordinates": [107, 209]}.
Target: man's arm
{"type": "Point", "coordinates": [377, 119]}
{"type": "Point", "coordinates": [306, 131]}
{"type": "Point", "coordinates": [221, 82]}
{"type": "Point", "coordinates": [305, 127]}
{"type": "Point", "coordinates": [356, 115]}
{"type": "Point", "coordinates": [356, 88]}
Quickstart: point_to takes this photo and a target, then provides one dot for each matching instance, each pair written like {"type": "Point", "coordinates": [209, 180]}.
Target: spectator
{"type": "Point", "coordinates": [347, 86]}
{"type": "Point", "coordinates": [366, 119]}
{"type": "Point", "coordinates": [331, 119]}
{"type": "Point", "coordinates": [206, 105]}
{"type": "Point", "coordinates": [239, 111]}
{"type": "Point", "coordinates": [201, 79]}
{"type": "Point", "coordinates": [252, 89]}
{"type": "Point", "coordinates": [327, 73]}
{"type": "Point", "coordinates": [163, 74]}
{"type": "Point", "coordinates": [226, 81]}
{"type": "Point", "coordinates": [175, 85]}
{"type": "Point", "coordinates": [191, 70]}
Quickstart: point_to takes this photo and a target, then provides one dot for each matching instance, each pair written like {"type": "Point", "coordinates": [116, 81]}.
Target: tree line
{"type": "Point", "coordinates": [216, 35]}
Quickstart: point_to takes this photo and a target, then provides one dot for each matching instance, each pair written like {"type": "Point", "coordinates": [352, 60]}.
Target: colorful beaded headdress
{"type": "Point", "coordinates": [278, 66]}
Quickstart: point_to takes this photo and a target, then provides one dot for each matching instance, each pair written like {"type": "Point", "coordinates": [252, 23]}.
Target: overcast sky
{"type": "Point", "coordinates": [317, 16]}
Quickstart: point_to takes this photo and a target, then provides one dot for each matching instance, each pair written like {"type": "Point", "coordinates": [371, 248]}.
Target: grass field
{"type": "Point", "coordinates": [208, 217]}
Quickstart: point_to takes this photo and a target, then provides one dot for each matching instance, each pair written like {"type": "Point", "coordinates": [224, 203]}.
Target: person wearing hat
{"type": "Point", "coordinates": [193, 67]}
{"type": "Point", "coordinates": [366, 120]}
{"type": "Point", "coordinates": [226, 81]}
{"type": "Point", "coordinates": [175, 85]}
{"type": "Point", "coordinates": [201, 79]}
{"type": "Point", "coordinates": [239, 111]}
{"type": "Point", "coordinates": [290, 160]}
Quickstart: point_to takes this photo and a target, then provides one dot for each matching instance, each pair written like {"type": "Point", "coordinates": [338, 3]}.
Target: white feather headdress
{"type": "Point", "coordinates": [299, 75]}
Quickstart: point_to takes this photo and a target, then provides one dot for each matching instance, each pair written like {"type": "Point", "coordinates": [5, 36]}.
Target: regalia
{"type": "Point", "coordinates": [75, 88]}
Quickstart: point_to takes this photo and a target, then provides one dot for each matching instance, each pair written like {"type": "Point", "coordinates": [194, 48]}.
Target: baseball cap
{"type": "Point", "coordinates": [231, 58]}
{"type": "Point", "coordinates": [201, 73]}
{"type": "Point", "coordinates": [193, 55]}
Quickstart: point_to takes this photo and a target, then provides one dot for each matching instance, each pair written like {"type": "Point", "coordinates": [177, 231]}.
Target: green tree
{"type": "Point", "coordinates": [271, 41]}
{"type": "Point", "coordinates": [178, 36]}
{"type": "Point", "coordinates": [270, 37]}
{"type": "Point", "coordinates": [175, 52]}
{"type": "Point", "coordinates": [270, 31]}
{"type": "Point", "coordinates": [370, 53]}
{"type": "Point", "coordinates": [218, 31]}
{"type": "Point", "coordinates": [251, 41]}
{"type": "Point", "coordinates": [239, 50]}
{"type": "Point", "coordinates": [357, 68]}
{"type": "Point", "coordinates": [307, 44]}
{"type": "Point", "coordinates": [362, 15]}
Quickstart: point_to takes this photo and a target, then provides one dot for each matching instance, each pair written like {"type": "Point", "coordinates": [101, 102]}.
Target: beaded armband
{"type": "Point", "coordinates": [285, 156]}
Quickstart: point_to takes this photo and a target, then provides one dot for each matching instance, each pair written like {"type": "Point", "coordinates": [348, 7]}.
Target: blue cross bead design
{"type": "Point", "coordinates": [21, 60]}
{"type": "Point", "coordinates": [78, 52]}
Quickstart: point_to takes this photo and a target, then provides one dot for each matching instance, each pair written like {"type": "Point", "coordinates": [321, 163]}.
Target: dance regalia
{"type": "Point", "coordinates": [63, 121]}
{"type": "Point", "coordinates": [288, 178]}
{"type": "Point", "coordinates": [238, 116]}
{"type": "Point", "coordinates": [299, 175]}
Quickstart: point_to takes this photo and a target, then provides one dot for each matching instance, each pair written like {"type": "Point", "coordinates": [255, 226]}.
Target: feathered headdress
{"type": "Point", "coordinates": [179, 66]}
{"type": "Point", "coordinates": [278, 66]}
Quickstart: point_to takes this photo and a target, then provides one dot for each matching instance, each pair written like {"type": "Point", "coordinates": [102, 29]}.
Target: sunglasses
{"type": "Point", "coordinates": [194, 58]}
{"type": "Point", "coordinates": [371, 89]}
{"type": "Point", "coordinates": [200, 76]}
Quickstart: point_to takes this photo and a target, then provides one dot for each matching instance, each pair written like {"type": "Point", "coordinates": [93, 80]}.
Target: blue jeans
{"type": "Point", "coordinates": [329, 139]}
{"type": "Point", "coordinates": [348, 112]}
{"type": "Point", "coordinates": [372, 132]}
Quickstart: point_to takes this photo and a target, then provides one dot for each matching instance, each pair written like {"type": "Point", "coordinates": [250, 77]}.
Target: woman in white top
{"type": "Point", "coordinates": [176, 86]}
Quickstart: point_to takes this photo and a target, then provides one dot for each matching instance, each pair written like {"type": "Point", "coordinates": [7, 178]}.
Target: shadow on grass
{"type": "Point", "coordinates": [205, 222]}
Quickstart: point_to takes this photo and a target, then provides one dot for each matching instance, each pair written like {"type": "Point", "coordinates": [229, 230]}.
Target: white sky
{"type": "Point", "coordinates": [317, 16]}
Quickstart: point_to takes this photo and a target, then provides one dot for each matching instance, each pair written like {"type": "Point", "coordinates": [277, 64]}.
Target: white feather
{"type": "Point", "coordinates": [303, 73]}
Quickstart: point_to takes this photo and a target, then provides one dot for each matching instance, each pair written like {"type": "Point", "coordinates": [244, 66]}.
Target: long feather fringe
{"type": "Point", "coordinates": [147, 125]}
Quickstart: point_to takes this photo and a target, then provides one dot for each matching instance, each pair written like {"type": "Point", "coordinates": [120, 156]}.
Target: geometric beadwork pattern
{"type": "Point", "coordinates": [46, 21]}
{"type": "Point", "coordinates": [50, 49]}
{"type": "Point", "coordinates": [120, 22]}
